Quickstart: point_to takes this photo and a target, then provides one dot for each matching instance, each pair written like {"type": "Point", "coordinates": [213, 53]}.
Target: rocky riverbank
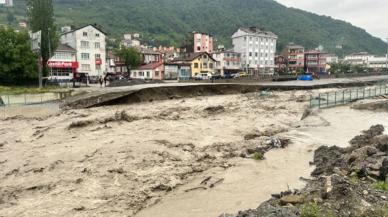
{"type": "Point", "coordinates": [346, 182]}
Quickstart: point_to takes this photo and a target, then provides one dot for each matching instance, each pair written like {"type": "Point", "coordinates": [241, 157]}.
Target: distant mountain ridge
{"type": "Point", "coordinates": [166, 22]}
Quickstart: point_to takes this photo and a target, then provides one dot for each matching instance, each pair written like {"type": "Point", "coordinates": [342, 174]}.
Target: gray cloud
{"type": "Point", "coordinates": [370, 15]}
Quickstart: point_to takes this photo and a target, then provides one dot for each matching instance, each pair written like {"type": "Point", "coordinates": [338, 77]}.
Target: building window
{"type": "Point", "coordinates": [157, 74]}
{"type": "Point", "coordinates": [84, 44]}
{"type": "Point", "coordinates": [97, 45]}
{"type": "Point", "coordinates": [205, 65]}
{"type": "Point", "coordinates": [84, 56]}
{"type": "Point", "coordinates": [134, 74]}
{"type": "Point", "coordinates": [148, 74]}
{"type": "Point", "coordinates": [98, 56]}
{"type": "Point", "coordinates": [195, 65]}
{"type": "Point", "coordinates": [98, 67]}
{"type": "Point", "coordinates": [85, 67]}
{"type": "Point", "coordinates": [85, 34]}
{"type": "Point", "coordinates": [250, 54]}
{"type": "Point", "coordinates": [211, 65]}
{"type": "Point", "coordinates": [97, 35]}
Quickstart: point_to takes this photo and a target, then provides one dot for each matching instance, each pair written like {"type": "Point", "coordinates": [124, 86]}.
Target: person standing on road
{"type": "Point", "coordinates": [101, 81]}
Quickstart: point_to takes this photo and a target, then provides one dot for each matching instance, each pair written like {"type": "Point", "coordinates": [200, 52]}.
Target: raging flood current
{"type": "Point", "coordinates": [250, 183]}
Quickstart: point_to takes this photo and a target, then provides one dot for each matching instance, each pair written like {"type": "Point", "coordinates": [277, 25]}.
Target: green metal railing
{"type": "Point", "coordinates": [331, 99]}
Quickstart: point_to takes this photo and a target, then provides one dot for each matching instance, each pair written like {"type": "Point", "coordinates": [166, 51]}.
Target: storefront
{"type": "Point", "coordinates": [63, 65]}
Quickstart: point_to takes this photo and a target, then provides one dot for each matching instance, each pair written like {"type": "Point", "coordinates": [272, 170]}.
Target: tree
{"type": "Point", "coordinates": [41, 18]}
{"type": "Point", "coordinates": [130, 56]}
{"type": "Point", "coordinates": [10, 18]}
{"type": "Point", "coordinates": [18, 64]}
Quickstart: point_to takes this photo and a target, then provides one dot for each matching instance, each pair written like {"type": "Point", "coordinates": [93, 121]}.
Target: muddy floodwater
{"type": "Point", "coordinates": [250, 183]}
{"type": "Point", "coordinates": [176, 158]}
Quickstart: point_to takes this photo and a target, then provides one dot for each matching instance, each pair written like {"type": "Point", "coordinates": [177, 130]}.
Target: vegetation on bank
{"type": "Point", "coordinates": [30, 90]}
{"type": "Point", "coordinates": [18, 64]}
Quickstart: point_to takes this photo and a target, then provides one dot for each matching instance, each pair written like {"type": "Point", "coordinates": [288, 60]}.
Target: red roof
{"type": "Point", "coordinates": [150, 66]}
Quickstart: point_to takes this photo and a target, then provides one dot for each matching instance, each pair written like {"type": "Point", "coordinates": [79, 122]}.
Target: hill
{"type": "Point", "coordinates": [166, 22]}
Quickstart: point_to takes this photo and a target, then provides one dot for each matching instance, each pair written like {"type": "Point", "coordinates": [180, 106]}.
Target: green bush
{"type": "Point", "coordinates": [381, 186]}
{"type": "Point", "coordinates": [310, 210]}
{"type": "Point", "coordinates": [258, 156]}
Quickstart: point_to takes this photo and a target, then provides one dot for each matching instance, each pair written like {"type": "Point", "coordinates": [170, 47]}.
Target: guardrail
{"type": "Point", "coordinates": [336, 98]}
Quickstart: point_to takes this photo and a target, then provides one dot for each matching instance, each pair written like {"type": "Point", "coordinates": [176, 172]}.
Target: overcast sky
{"type": "Point", "coordinates": [371, 15]}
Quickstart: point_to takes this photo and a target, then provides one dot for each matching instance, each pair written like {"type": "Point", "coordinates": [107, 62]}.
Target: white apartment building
{"type": "Point", "coordinates": [90, 45]}
{"type": "Point", "coordinates": [257, 49]}
{"type": "Point", "coordinates": [228, 62]}
{"type": "Point", "coordinates": [378, 62]}
{"type": "Point", "coordinates": [361, 58]}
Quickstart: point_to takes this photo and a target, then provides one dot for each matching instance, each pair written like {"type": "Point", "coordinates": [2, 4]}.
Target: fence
{"type": "Point", "coordinates": [331, 99]}
{"type": "Point", "coordinates": [31, 99]}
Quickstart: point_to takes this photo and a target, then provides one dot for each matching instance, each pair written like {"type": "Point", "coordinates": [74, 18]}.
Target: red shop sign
{"type": "Point", "coordinates": [98, 61]}
{"type": "Point", "coordinates": [62, 64]}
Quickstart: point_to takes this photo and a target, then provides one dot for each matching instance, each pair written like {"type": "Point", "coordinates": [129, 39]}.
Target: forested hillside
{"type": "Point", "coordinates": [166, 22]}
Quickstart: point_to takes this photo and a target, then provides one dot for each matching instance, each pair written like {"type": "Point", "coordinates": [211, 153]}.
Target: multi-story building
{"type": "Point", "coordinates": [331, 58]}
{"type": "Point", "coordinates": [199, 42]}
{"type": "Point", "coordinates": [63, 64]}
{"type": "Point", "coordinates": [114, 65]}
{"type": "Point", "coordinates": [280, 64]}
{"type": "Point", "coordinates": [294, 55]}
{"type": "Point", "coordinates": [378, 63]}
{"type": "Point", "coordinates": [201, 64]}
{"type": "Point", "coordinates": [228, 62]}
{"type": "Point", "coordinates": [6, 3]}
{"type": "Point", "coordinates": [131, 40]}
{"type": "Point", "coordinates": [361, 58]}
{"type": "Point", "coordinates": [257, 48]}
{"type": "Point", "coordinates": [315, 61]}
{"type": "Point", "coordinates": [89, 42]}
{"type": "Point", "coordinates": [150, 56]}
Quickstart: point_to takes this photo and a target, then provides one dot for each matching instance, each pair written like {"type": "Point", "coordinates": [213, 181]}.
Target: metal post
{"type": "Point", "coordinates": [335, 98]}
{"type": "Point", "coordinates": [327, 99]}
{"type": "Point", "coordinates": [357, 94]}
{"type": "Point", "coordinates": [25, 99]}
{"type": "Point", "coordinates": [350, 95]}
{"type": "Point", "coordinates": [9, 103]}
{"type": "Point", "coordinates": [319, 101]}
{"type": "Point", "coordinates": [343, 97]}
{"type": "Point", "coordinates": [363, 93]}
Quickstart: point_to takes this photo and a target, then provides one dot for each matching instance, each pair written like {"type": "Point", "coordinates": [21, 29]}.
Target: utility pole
{"type": "Point", "coordinates": [386, 66]}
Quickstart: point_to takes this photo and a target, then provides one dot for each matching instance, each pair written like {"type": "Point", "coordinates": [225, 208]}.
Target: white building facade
{"type": "Point", "coordinates": [257, 49]}
{"type": "Point", "coordinates": [228, 62]}
{"type": "Point", "coordinates": [378, 62]}
{"type": "Point", "coordinates": [90, 45]}
{"type": "Point", "coordinates": [63, 65]}
{"type": "Point", "coordinates": [361, 58]}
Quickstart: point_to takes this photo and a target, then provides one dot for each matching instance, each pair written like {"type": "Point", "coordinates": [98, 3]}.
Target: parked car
{"type": "Point", "coordinates": [243, 74]}
{"type": "Point", "coordinates": [215, 77]}
{"type": "Point", "coordinates": [198, 77]}
{"type": "Point", "coordinates": [228, 76]}
{"type": "Point", "coordinates": [305, 77]}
